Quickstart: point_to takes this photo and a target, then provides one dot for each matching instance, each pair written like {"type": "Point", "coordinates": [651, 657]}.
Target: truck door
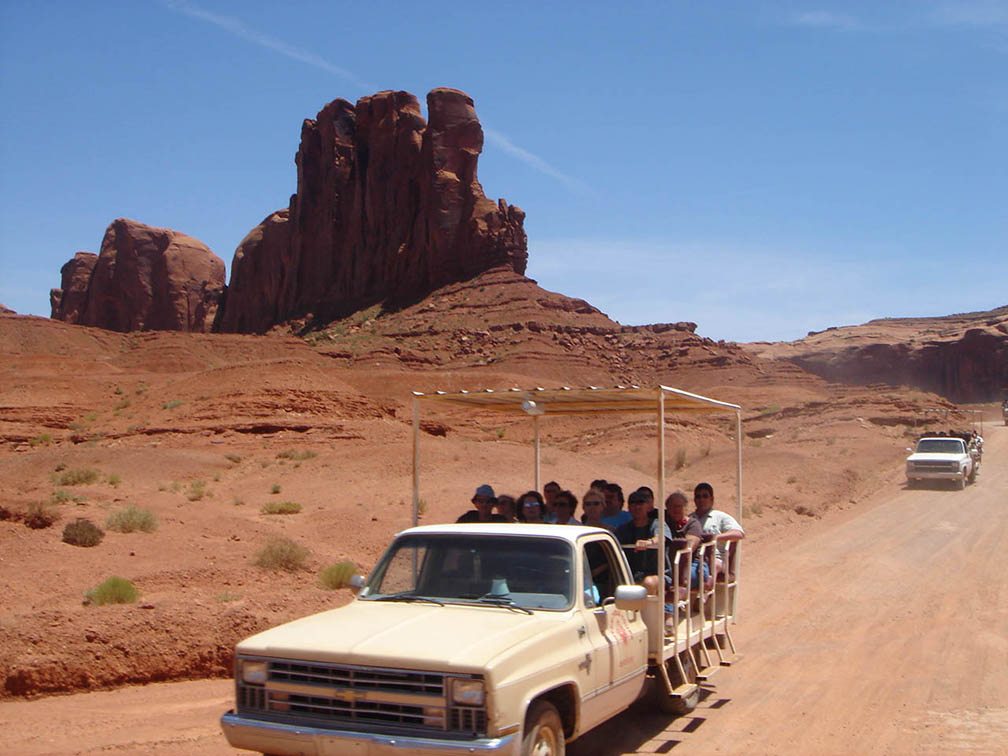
{"type": "Point", "coordinates": [615, 640]}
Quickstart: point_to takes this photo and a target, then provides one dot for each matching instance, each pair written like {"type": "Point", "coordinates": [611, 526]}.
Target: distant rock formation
{"type": "Point", "coordinates": [961, 357]}
{"type": "Point", "coordinates": [388, 208]}
{"type": "Point", "coordinates": [144, 279]}
{"type": "Point", "coordinates": [4, 310]}
{"type": "Point", "coordinates": [68, 301]}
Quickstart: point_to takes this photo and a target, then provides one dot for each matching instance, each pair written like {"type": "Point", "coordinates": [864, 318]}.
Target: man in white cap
{"type": "Point", "coordinates": [483, 501]}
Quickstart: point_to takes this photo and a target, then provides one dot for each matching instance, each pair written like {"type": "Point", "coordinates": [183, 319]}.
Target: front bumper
{"type": "Point", "coordinates": [935, 475]}
{"type": "Point", "coordinates": [290, 740]}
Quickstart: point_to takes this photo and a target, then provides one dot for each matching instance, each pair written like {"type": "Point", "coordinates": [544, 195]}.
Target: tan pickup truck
{"type": "Point", "coordinates": [498, 638]}
{"type": "Point", "coordinates": [495, 638]}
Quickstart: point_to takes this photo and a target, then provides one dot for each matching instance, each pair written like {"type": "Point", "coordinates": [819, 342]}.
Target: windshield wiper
{"type": "Point", "coordinates": [408, 598]}
{"type": "Point", "coordinates": [507, 603]}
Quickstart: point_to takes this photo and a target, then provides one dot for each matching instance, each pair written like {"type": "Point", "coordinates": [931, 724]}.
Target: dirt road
{"type": "Point", "coordinates": [882, 630]}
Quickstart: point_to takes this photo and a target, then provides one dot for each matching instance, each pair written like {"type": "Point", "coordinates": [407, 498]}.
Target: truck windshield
{"type": "Point", "coordinates": [940, 445]}
{"type": "Point", "coordinates": [501, 571]}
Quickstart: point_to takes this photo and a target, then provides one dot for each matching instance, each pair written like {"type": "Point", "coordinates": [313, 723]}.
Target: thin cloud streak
{"type": "Point", "coordinates": [534, 161]}
{"type": "Point", "coordinates": [826, 20]}
{"type": "Point", "coordinates": [237, 28]}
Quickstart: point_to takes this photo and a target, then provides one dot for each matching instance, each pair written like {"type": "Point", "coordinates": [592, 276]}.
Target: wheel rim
{"type": "Point", "coordinates": [545, 743]}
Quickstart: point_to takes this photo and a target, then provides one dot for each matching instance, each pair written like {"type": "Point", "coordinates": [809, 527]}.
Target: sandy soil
{"type": "Point", "coordinates": [879, 629]}
{"type": "Point", "coordinates": [204, 431]}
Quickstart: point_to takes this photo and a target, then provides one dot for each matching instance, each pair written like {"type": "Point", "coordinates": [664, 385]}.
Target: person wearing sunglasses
{"type": "Point", "coordinates": [719, 524]}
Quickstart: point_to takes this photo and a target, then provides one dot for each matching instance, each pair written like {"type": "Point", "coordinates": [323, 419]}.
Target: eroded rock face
{"type": "Point", "coordinates": [68, 301]}
{"type": "Point", "coordinates": [961, 357]}
{"type": "Point", "coordinates": [388, 208]}
{"type": "Point", "coordinates": [144, 279]}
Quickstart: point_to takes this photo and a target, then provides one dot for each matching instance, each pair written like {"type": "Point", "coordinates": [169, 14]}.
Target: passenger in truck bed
{"type": "Point", "coordinates": [721, 525]}
{"type": "Point", "coordinates": [592, 503]}
{"type": "Point", "coordinates": [564, 504]}
{"type": "Point", "coordinates": [483, 501]}
{"type": "Point", "coordinates": [530, 507]}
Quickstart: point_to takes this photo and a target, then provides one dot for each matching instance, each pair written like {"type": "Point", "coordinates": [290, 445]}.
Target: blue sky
{"type": "Point", "coordinates": [761, 168]}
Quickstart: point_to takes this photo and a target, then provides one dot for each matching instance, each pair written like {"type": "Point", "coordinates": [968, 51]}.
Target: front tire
{"type": "Point", "coordinates": [544, 733]}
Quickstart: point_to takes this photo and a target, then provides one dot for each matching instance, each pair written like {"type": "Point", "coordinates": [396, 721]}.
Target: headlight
{"type": "Point", "coordinates": [468, 692]}
{"type": "Point", "coordinates": [254, 672]}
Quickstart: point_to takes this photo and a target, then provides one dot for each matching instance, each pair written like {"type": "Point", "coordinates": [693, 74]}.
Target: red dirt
{"type": "Point", "coordinates": [157, 413]}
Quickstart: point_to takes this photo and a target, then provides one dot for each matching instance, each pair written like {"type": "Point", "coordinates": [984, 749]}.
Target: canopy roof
{"type": "Point", "coordinates": [573, 401]}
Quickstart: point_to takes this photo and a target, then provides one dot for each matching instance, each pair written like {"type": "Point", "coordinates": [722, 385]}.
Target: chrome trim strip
{"type": "Point", "coordinates": [242, 730]}
{"type": "Point", "coordinates": [348, 694]}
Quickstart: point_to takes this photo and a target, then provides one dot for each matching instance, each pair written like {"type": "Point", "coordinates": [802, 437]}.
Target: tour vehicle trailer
{"type": "Point", "coordinates": [503, 638]}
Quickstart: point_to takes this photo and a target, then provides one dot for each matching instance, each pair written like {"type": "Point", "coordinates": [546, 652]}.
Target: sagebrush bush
{"type": "Point", "coordinates": [78, 476]}
{"type": "Point", "coordinates": [115, 590]}
{"type": "Point", "coordinates": [132, 519]}
{"type": "Point", "coordinates": [82, 532]}
{"type": "Point", "coordinates": [40, 516]}
{"type": "Point", "coordinates": [281, 553]}
{"type": "Point", "coordinates": [233, 458]}
{"type": "Point", "coordinates": [296, 456]}
{"type": "Point", "coordinates": [337, 575]}
{"type": "Point", "coordinates": [281, 507]}
{"type": "Point", "coordinates": [197, 490]}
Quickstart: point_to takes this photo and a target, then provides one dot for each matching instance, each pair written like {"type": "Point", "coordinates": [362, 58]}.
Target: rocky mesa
{"type": "Point", "coordinates": [961, 357]}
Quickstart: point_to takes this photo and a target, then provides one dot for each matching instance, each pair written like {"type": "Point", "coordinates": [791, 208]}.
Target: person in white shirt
{"type": "Point", "coordinates": [719, 524]}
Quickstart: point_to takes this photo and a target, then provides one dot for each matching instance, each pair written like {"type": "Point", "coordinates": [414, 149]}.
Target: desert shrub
{"type": "Point", "coordinates": [115, 590]}
{"type": "Point", "coordinates": [78, 476]}
{"type": "Point", "coordinates": [61, 497]}
{"type": "Point", "coordinates": [60, 467]}
{"type": "Point", "coordinates": [132, 519]}
{"type": "Point", "coordinates": [680, 459]}
{"type": "Point", "coordinates": [238, 501]}
{"type": "Point", "coordinates": [226, 596]}
{"type": "Point", "coordinates": [233, 458]}
{"type": "Point", "coordinates": [43, 439]}
{"type": "Point", "coordinates": [10, 514]}
{"type": "Point", "coordinates": [113, 480]}
{"type": "Point", "coordinates": [40, 516]}
{"type": "Point", "coordinates": [197, 490]}
{"type": "Point", "coordinates": [281, 507]}
{"type": "Point", "coordinates": [337, 575]}
{"type": "Point", "coordinates": [120, 406]}
{"type": "Point", "coordinates": [281, 553]}
{"type": "Point", "coordinates": [297, 456]}
{"type": "Point", "coordinates": [275, 488]}
{"type": "Point", "coordinates": [82, 532]}
{"type": "Point", "coordinates": [170, 405]}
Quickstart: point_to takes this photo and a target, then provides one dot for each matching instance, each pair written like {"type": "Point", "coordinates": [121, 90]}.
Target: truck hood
{"type": "Point", "coordinates": [459, 637]}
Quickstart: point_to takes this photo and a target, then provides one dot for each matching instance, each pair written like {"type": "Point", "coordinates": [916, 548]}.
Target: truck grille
{"type": "Point", "coordinates": [935, 466]}
{"type": "Point", "coordinates": [345, 696]}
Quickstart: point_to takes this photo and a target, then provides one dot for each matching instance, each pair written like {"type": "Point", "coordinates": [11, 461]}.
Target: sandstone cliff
{"type": "Point", "coordinates": [388, 208]}
{"type": "Point", "coordinates": [144, 279]}
{"type": "Point", "coordinates": [961, 357]}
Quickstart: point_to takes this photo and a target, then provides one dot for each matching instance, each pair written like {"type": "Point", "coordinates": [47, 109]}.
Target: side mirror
{"type": "Point", "coordinates": [630, 597]}
{"type": "Point", "coordinates": [910, 450]}
{"type": "Point", "coordinates": [355, 583]}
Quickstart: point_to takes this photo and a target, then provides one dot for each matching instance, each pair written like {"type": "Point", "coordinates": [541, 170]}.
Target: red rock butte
{"type": "Point", "coordinates": [388, 208]}
{"type": "Point", "coordinates": [144, 279]}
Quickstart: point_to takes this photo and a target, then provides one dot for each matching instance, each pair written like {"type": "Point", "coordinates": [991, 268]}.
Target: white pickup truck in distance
{"type": "Point", "coordinates": [486, 639]}
{"type": "Point", "coordinates": [941, 458]}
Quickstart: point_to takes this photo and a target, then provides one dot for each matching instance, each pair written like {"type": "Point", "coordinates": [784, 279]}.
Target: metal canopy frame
{"type": "Point", "coordinates": [542, 402]}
